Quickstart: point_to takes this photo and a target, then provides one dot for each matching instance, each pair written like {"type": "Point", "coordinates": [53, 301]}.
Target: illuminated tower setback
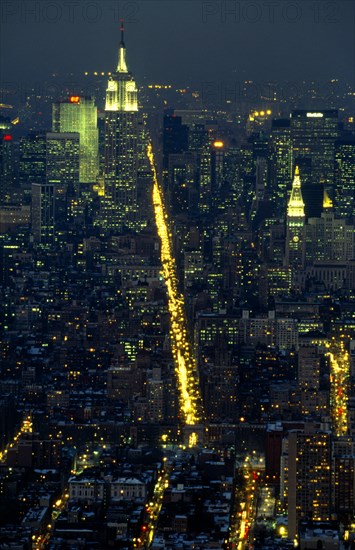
{"type": "Point", "coordinates": [295, 225]}
{"type": "Point", "coordinates": [119, 205]}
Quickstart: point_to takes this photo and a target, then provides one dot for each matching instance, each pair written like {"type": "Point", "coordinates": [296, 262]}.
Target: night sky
{"type": "Point", "coordinates": [182, 42]}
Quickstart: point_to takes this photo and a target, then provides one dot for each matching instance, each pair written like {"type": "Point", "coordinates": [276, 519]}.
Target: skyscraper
{"type": "Point", "coordinates": [182, 182]}
{"type": "Point", "coordinates": [175, 136]}
{"type": "Point", "coordinates": [62, 169]}
{"type": "Point", "coordinates": [308, 476]}
{"type": "Point", "coordinates": [200, 142]}
{"type": "Point", "coordinates": [328, 237]}
{"type": "Point", "coordinates": [79, 114]}
{"type": "Point", "coordinates": [313, 137]}
{"type": "Point", "coordinates": [50, 167]}
{"type": "Point", "coordinates": [218, 150]}
{"type": "Point", "coordinates": [295, 224]}
{"type": "Point", "coordinates": [345, 178]}
{"type": "Point", "coordinates": [43, 212]}
{"type": "Point", "coordinates": [119, 206]}
{"type": "Point", "coordinates": [281, 163]}
{"type": "Point", "coordinates": [33, 159]}
{"type": "Point", "coordinates": [62, 158]}
{"type": "Point", "coordinates": [6, 165]}
{"type": "Point", "coordinates": [49, 157]}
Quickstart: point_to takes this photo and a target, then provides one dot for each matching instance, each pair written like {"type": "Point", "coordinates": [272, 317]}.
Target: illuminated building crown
{"type": "Point", "coordinates": [327, 201]}
{"type": "Point", "coordinates": [121, 92]}
{"type": "Point", "coordinates": [295, 207]}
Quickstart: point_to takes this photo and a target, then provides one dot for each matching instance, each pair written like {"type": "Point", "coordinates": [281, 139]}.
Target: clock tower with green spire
{"type": "Point", "coordinates": [295, 225]}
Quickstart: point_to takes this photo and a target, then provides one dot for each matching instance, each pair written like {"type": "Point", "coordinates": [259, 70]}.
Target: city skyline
{"type": "Point", "coordinates": [177, 283]}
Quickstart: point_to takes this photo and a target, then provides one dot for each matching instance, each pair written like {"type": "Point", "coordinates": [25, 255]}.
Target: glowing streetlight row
{"type": "Point", "coordinates": [181, 349]}
{"type": "Point", "coordinates": [26, 427]}
{"type": "Point", "coordinates": [339, 378]}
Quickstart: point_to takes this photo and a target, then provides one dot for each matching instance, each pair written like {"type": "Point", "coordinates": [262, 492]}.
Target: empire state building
{"type": "Point", "coordinates": [119, 204]}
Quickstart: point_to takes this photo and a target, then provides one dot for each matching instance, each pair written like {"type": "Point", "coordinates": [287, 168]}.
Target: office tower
{"type": "Point", "coordinates": [214, 283]}
{"type": "Point", "coordinates": [313, 137]}
{"type": "Point", "coordinates": [6, 162]}
{"type": "Point", "coordinates": [62, 169]}
{"type": "Point", "coordinates": [260, 144]}
{"type": "Point", "coordinates": [63, 158]}
{"type": "Point", "coordinates": [344, 195]}
{"type": "Point", "coordinates": [155, 396]}
{"type": "Point", "coordinates": [258, 207]}
{"type": "Point", "coordinates": [308, 368]}
{"type": "Point", "coordinates": [231, 172]}
{"type": "Point", "coordinates": [175, 136]}
{"type": "Point", "coordinates": [219, 383]}
{"type": "Point", "coordinates": [328, 237]}
{"type": "Point", "coordinates": [280, 164]}
{"type": "Point", "coordinates": [6, 166]}
{"type": "Point", "coordinates": [205, 199]}
{"type": "Point", "coordinates": [200, 142]}
{"type": "Point", "coordinates": [246, 175]}
{"type": "Point", "coordinates": [33, 159]}
{"type": "Point", "coordinates": [79, 114]}
{"type": "Point", "coordinates": [119, 205]}
{"type": "Point", "coordinates": [43, 212]}
{"type": "Point", "coordinates": [295, 224]}
{"type": "Point", "coordinates": [193, 267]}
{"type": "Point", "coordinates": [218, 150]}
{"type": "Point", "coordinates": [343, 471]}
{"type": "Point", "coordinates": [49, 156]}
{"type": "Point", "coordinates": [274, 281]}
{"type": "Point", "coordinates": [307, 476]}
{"type": "Point", "coordinates": [312, 400]}
{"type": "Point", "coordinates": [53, 159]}
{"type": "Point", "coordinates": [182, 182]}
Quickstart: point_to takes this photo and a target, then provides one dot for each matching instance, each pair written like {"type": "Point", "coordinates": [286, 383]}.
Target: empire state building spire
{"type": "Point", "coordinates": [122, 66]}
{"type": "Point", "coordinates": [121, 92]}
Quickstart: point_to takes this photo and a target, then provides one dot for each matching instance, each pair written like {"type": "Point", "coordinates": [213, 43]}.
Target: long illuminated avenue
{"type": "Point", "coordinates": [339, 379]}
{"type": "Point", "coordinates": [26, 427]}
{"type": "Point", "coordinates": [183, 357]}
